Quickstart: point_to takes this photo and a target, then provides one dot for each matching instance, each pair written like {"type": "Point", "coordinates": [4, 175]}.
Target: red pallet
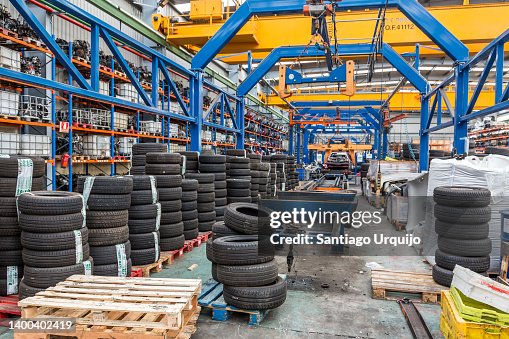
{"type": "Point", "coordinates": [137, 272]}
{"type": "Point", "coordinates": [9, 306]}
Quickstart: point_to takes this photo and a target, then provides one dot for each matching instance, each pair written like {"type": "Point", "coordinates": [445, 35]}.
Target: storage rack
{"type": "Point", "coordinates": [494, 136]}
{"type": "Point", "coordinates": [165, 92]}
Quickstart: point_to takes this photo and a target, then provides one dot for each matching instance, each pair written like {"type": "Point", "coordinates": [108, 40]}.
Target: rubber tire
{"type": "Point", "coordinates": [143, 212]}
{"type": "Point", "coordinates": [191, 224]}
{"type": "Point", "coordinates": [163, 169]}
{"type": "Point", "coordinates": [256, 298]}
{"type": "Point", "coordinates": [52, 241]}
{"type": "Point", "coordinates": [45, 277]}
{"type": "Point", "coordinates": [189, 215]}
{"type": "Point", "coordinates": [140, 226]}
{"type": "Point", "coordinates": [50, 203]}
{"type": "Point", "coordinates": [238, 250]}
{"type": "Point", "coordinates": [235, 172]}
{"type": "Point", "coordinates": [11, 258]}
{"type": "Point", "coordinates": [189, 206]}
{"type": "Point", "coordinates": [465, 248]}
{"type": "Point", "coordinates": [143, 149]}
{"type": "Point", "coordinates": [206, 198]}
{"type": "Point", "coordinates": [206, 188]}
{"type": "Point", "coordinates": [239, 192]}
{"type": "Point", "coordinates": [9, 227]}
{"type": "Point", "coordinates": [248, 275]}
{"type": "Point", "coordinates": [107, 202]}
{"type": "Point", "coordinates": [462, 231]}
{"type": "Point", "coordinates": [171, 218]}
{"type": "Point", "coordinates": [107, 219]}
{"type": "Point", "coordinates": [137, 170]}
{"type": "Point", "coordinates": [142, 241]}
{"type": "Point", "coordinates": [221, 194]}
{"type": "Point", "coordinates": [171, 230]}
{"type": "Point", "coordinates": [190, 185]}
{"type": "Point", "coordinates": [106, 255]}
{"type": "Point", "coordinates": [207, 216]}
{"type": "Point", "coordinates": [497, 150]}
{"type": "Point", "coordinates": [138, 160]}
{"type": "Point", "coordinates": [143, 198]}
{"type": "Point", "coordinates": [108, 185]}
{"type": "Point", "coordinates": [188, 196]}
{"type": "Point", "coordinates": [9, 166]}
{"type": "Point", "coordinates": [457, 196]}
{"type": "Point", "coordinates": [203, 178]}
{"type": "Point", "coordinates": [238, 165]}
{"type": "Point", "coordinates": [442, 276]}
{"type": "Point", "coordinates": [459, 215]}
{"type": "Point", "coordinates": [108, 236]}
{"type": "Point", "coordinates": [47, 259]}
{"type": "Point", "coordinates": [233, 200]}
{"type": "Point", "coordinates": [8, 207]}
{"type": "Point", "coordinates": [206, 226]}
{"type": "Point", "coordinates": [171, 206]}
{"type": "Point", "coordinates": [167, 194]}
{"type": "Point", "coordinates": [10, 243]}
{"type": "Point", "coordinates": [50, 223]}
{"type": "Point", "coordinates": [168, 181]}
{"type": "Point", "coordinates": [219, 229]}
{"type": "Point", "coordinates": [448, 261]}
{"type": "Point", "coordinates": [205, 207]}
{"type": "Point", "coordinates": [191, 234]}
{"type": "Point", "coordinates": [111, 270]}
{"type": "Point", "coordinates": [212, 168]}
{"type": "Point", "coordinates": [246, 218]}
{"type": "Point", "coordinates": [212, 159]}
{"type": "Point", "coordinates": [145, 257]}
{"type": "Point", "coordinates": [164, 158]}
{"type": "Point", "coordinates": [172, 244]}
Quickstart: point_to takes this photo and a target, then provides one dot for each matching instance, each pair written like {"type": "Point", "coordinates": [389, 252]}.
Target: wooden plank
{"type": "Point", "coordinates": [78, 296]}
{"type": "Point", "coordinates": [126, 289]}
{"type": "Point", "coordinates": [132, 282]}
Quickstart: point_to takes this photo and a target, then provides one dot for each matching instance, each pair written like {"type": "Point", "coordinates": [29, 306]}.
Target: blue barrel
{"type": "Point", "coordinates": [504, 220]}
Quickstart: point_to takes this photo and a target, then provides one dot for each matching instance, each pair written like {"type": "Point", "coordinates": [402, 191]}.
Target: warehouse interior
{"type": "Point", "coordinates": [254, 169]}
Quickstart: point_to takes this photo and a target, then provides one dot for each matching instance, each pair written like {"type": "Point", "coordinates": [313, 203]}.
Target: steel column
{"type": "Point", "coordinates": [460, 126]}
{"type": "Point", "coordinates": [305, 145]}
{"type": "Point", "coordinates": [298, 133]}
{"type": "Point", "coordinates": [240, 122]}
{"type": "Point", "coordinates": [424, 143]}
{"type": "Point", "coordinates": [94, 57]}
{"type": "Point", "coordinates": [196, 102]}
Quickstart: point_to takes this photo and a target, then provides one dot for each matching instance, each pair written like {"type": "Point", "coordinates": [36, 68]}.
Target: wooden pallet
{"type": "Point", "coordinates": [8, 33]}
{"type": "Point", "coordinates": [168, 257]}
{"type": "Point", "coordinates": [149, 268]}
{"type": "Point", "coordinates": [212, 297]}
{"type": "Point", "coordinates": [9, 117]}
{"type": "Point", "coordinates": [9, 306]}
{"type": "Point", "coordinates": [34, 119]}
{"type": "Point", "coordinates": [395, 285]}
{"type": "Point", "coordinates": [34, 42]}
{"type": "Point", "coordinates": [118, 308]}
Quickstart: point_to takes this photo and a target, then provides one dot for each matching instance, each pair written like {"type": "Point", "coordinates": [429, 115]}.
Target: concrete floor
{"type": "Point", "coordinates": [343, 310]}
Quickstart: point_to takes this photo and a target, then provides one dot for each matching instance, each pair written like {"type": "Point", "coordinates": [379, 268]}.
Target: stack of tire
{"type": "Point", "coordinates": [11, 262]}
{"type": "Point", "coordinates": [255, 161]}
{"type": "Point", "coordinates": [281, 180]}
{"type": "Point", "coordinates": [190, 208]}
{"type": "Point", "coordinates": [238, 168]}
{"type": "Point", "coordinates": [291, 172]}
{"type": "Point", "coordinates": [462, 216]}
{"type": "Point", "coordinates": [216, 164]}
{"type": "Point", "coordinates": [108, 200]}
{"type": "Point", "coordinates": [139, 159]}
{"type": "Point", "coordinates": [54, 239]}
{"type": "Point", "coordinates": [144, 221]}
{"type": "Point", "coordinates": [264, 180]}
{"type": "Point", "coordinates": [250, 279]}
{"type": "Point", "coordinates": [190, 160]}
{"type": "Point", "coordinates": [167, 169]}
{"type": "Point", "coordinates": [206, 203]}
{"type": "Point", "coordinates": [272, 188]}
{"type": "Point", "coordinates": [238, 190]}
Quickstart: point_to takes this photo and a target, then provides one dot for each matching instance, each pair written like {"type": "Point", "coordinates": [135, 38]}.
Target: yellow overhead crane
{"type": "Point", "coordinates": [474, 25]}
{"type": "Point", "coordinates": [348, 147]}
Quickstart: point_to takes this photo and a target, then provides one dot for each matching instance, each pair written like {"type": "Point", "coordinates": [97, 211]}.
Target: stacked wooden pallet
{"type": "Point", "coordinates": [111, 307]}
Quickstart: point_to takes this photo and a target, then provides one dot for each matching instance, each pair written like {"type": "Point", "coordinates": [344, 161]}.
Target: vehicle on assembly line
{"type": "Point", "coordinates": [339, 162]}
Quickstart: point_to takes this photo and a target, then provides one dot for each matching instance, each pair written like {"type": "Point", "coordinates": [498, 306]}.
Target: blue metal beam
{"type": "Point", "coordinates": [173, 88]}
{"type": "Point", "coordinates": [336, 103]}
{"type": "Point", "coordinates": [482, 81]}
{"type": "Point", "coordinates": [410, 73]}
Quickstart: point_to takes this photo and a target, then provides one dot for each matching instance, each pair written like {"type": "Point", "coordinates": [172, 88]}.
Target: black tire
{"type": "Point", "coordinates": [11, 258]}
{"type": "Point", "coordinates": [166, 194]}
{"type": "Point", "coordinates": [47, 259]}
{"type": "Point", "coordinates": [107, 219]}
{"type": "Point", "coordinates": [220, 202]}
{"type": "Point", "coordinates": [171, 218]}
{"type": "Point", "coordinates": [206, 207]}
{"type": "Point", "coordinates": [189, 215]}
{"type": "Point", "coordinates": [246, 218]}
{"type": "Point", "coordinates": [137, 170]}
{"type": "Point", "coordinates": [140, 226]}
{"type": "Point", "coordinates": [209, 251]}
{"type": "Point", "coordinates": [142, 182]}
{"type": "Point", "coordinates": [206, 226]}
{"type": "Point", "coordinates": [190, 155]}
{"type": "Point", "coordinates": [448, 261]}
{"type": "Point", "coordinates": [206, 198]}
{"type": "Point", "coordinates": [10, 243]}
{"type": "Point", "coordinates": [462, 231]}
{"type": "Point", "coordinates": [26, 291]}
{"type": "Point", "coordinates": [50, 223]}
{"type": "Point", "coordinates": [233, 200]}
{"type": "Point", "coordinates": [143, 198]}
{"type": "Point", "coordinates": [459, 215]}
{"type": "Point", "coordinates": [465, 248]}
{"type": "Point", "coordinates": [142, 149]}
{"type": "Point", "coordinates": [189, 196]}
{"type": "Point", "coordinates": [214, 271]}
{"type": "Point", "coordinates": [143, 241]}
{"type": "Point", "coordinates": [256, 298]}
{"type": "Point", "coordinates": [9, 166]}
{"type": "Point", "coordinates": [108, 236]}
{"type": "Point", "coordinates": [236, 153]}
{"type": "Point", "coordinates": [206, 188]}
{"type": "Point", "coordinates": [239, 192]}
{"type": "Point", "coordinates": [219, 229]}
{"type": "Point", "coordinates": [145, 257]}
{"type": "Point", "coordinates": [190, 205]}
{"type": "Point", "coordinates": [212, 159]}
{"type": "Point", "coordinates": [9, 227]}
{"type": "Point", "coordinates": [190, 224]}
{"type": "Point", "coordinates": [168, 181]}
{"type": "Point", "coordinates": [237, 166]}
{"type": "Point", "coordinates": [53, 241]}
{"type": "Point", "coordinates": [220, 177]}
{"type": "Point", "coordinates": [172, 244]}
{"type": "Point", "coordinates": [190, 185]}
{"type": "Point", "coordinates": [106, 255]}
{"type": "Point", "coordinates": [139, 160]}
{"type": "Point", "coordinates": [45, 277]}
{"type": "Point", "coordinates": [50, 203]}
{"type": "Point", "coordinates": [171, 230]}
{"type": "Point", "coordinates": [107, 202]}
{"type": "Point", "coordinates": [248, 275]}
{"type": "Point", "coordinates": [164, 158]}
{"type": "Point", "coordinates": [191, 234]}
{"type": "Point", "coordinates": [237, 172]}
{"type": "Point", "coordinates": [203, 178]}
{"type": "Point", "coordinates": [497, 150]}
{"type": "Point", "coordinates": [8, 207]}
{"type": "Point", "coordinates": [112, 270]}
{"type": "Point", "coordinates": [212, 168]}
{"type": "Point", "coordinates": [171, 206]}
{"type": "Point", "coordinates": [238, 250]}
{"type": "Point", "coordinates": [143, 212]}
{"type": "Point", "coordinates": [442, 276]}
{"type": "Point", "coordinates": [108, 185]}
{"type": "Point", "coordinates": [163, 169]}
{"type": "Point", "coordinates": [207, 216]}
{"type": "Point", "coordinates": [457, 196]}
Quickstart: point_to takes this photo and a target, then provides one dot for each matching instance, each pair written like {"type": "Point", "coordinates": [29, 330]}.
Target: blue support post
{"type": "Point", "coordinates": [53, 130]}
{"type": "Point", "coordinates": [240, 113]}
{"type": "Point", "coordinates": [155, 82]}
{"type": "Point", "coordinates": [290, 140]}
{"type": "Point", "coordinates": [94, 57]}
{"type": "Point", "coordinates": [298, 134]}
{"type": "Point", "coordinates": [385, 143]}
{"type": "Point", "coordinates": [499, 82]}
{"type": "Point", "coordinates": [69, 107]}
{"type": "Point", "coordinates": [196, 102]}
{"type": "Point", "coordinates": [460, 126]}
{"type": "Point", "coordinates": [424, 143]}
{"type": "Point", "coordinates": [305, 147]}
